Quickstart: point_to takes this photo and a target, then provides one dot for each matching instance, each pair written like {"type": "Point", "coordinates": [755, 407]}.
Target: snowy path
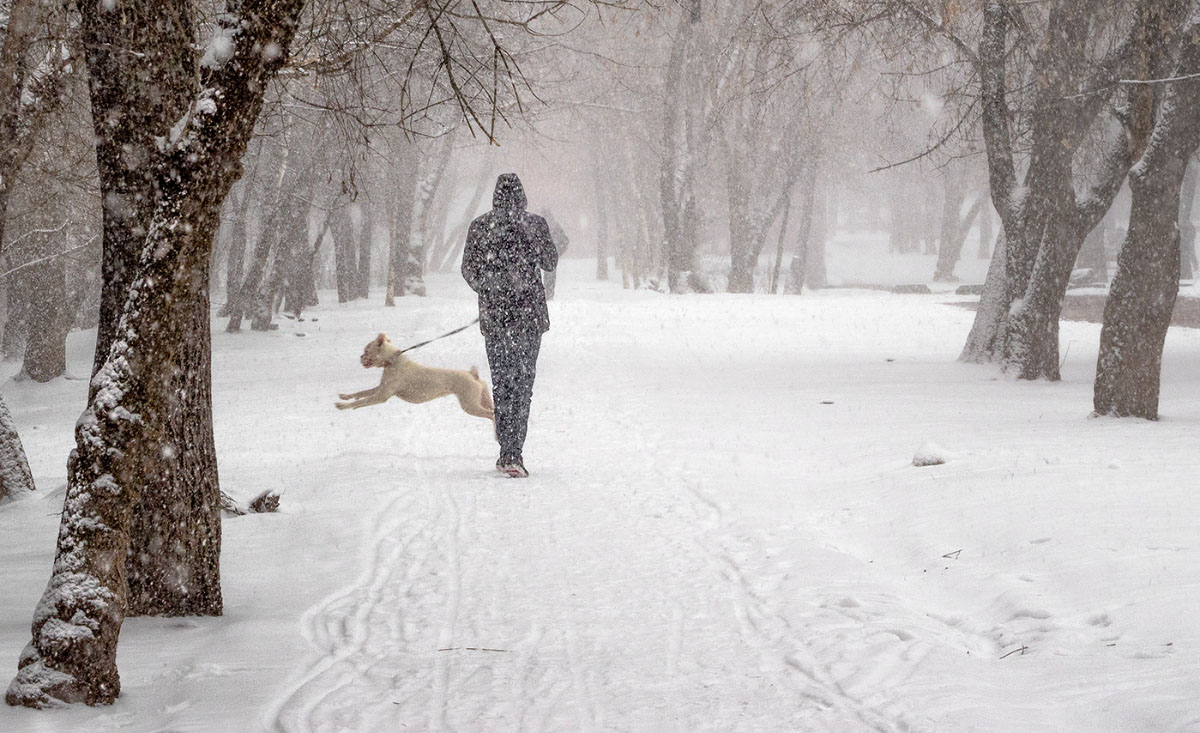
{"type": "Point", "coordinates": [576, 599]}
{"type": "Point", "coordinates": [719, 575]}
{"type": "Point", "coordinates": [568, 601]}
{"type": "Point", "coordinates": [722, 532]}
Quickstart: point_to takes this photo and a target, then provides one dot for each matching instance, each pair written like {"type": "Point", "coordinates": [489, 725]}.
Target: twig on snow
{"type": "Point", "coordinates": [1020, 651]}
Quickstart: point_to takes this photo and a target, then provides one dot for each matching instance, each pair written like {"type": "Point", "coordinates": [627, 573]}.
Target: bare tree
{"type": "Point", "coordinates": [1143, 292]}
{"type": "Point", "coordinates": [72, 657]}
{"type": "Point", "coordinates": [1045, 221]}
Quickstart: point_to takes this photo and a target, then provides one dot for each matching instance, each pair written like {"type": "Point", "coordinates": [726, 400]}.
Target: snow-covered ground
{"type": "Point", "coordinates": [723, 531]}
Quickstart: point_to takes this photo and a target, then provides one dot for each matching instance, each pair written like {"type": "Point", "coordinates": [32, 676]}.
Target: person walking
{"type": "Point", "coordinates": [506, 250]}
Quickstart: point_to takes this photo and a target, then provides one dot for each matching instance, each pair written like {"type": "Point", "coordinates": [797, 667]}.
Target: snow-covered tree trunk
{"type": "Point", "coordinates": [411, 277]}
{"type": "Point", "coordinates": [72, 655]}
{"type": "Point", "coordinates": [1032, 349]}
{"type": "Point", "coordinates": [451, 252]}
{"type": "Point", "coordinates": [433, 171]}
{"type": "Point", "coordinates": [171, 563]}
{"type": "Point", "coordinates": [1138, 311]}
{"type": "Point", "coordinates": [987, 332]}
{"type": "Point", "coordinates": [1036, 261]}
{"type": "Point", "coordinates": [1140, 300]}
{"type": "Point", "coordinates": [15, 477]}
{"type": "Point", "coordinates": [1044, 223]}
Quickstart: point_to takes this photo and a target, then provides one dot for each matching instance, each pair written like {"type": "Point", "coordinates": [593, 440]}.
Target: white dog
{"type": "Point", "coordinates": [412, 382]}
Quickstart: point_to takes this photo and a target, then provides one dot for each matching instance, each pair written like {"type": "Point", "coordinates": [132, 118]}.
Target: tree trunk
{"type": "Point", "coordinates": [174, 531]}
{"type": "Point", "coordinates": [250, 299]}
{"type": "Point", "coordinates": [783, 228]}
{"type": "Point", "coordinates": [988, 330]}
{"type": "Point", "coordinates": [1044, 222]}
{"type": "Point", "coordinates": [15, 476]}
{"type": "Point", "coordinates": [403, 223]}
{"type": "Point", "coordinates": [429, 174]}
{"type": "Point", "coordinates": [601, 228]}
{"type": "Point", "coordinates": [954, 227]}
{"type": "Point", "coordinates": [1040, 263]}
{"type": "Point", "coordinates": [451, 252]}
{"type": "Point", "coordinates": [902, 233]}
{"type": "Point", "coordinates": [18, 295]}
{"type": "Point", "coordinates": [235, 259]}
{"type": "Point", "coordinates": [798, 270]}
{"type": "Point", "coordinates": [741, 264]}
{"type": "Point", "coordinates": [46, 349]}
{"type": "Point", "coordinates": [814, 272]}
{"type": "Point", "coordinates": [290, 270]}
{"type": "Point", "coordinates": [72, 655]}
{"type": "Point", "coordinates": [362, 278]}
{"type": "Point", "coordinates": [345, 253]}
{"type": "Point", "coordinates": [676, 187]}
{"type": "Point", "coordinates": [173, 561]}
{"type": "Point", "coordinates": [1138, 311]}
{"type": "Point", "coordinates": [1093, 256]}
{"type": "Point", "coordinates": [1187, 230]}
{"type": "Point", "coordinates": [986, 233]}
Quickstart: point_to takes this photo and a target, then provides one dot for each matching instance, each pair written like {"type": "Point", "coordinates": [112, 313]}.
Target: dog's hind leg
{"type": "Point", "coordinates": [475, 405]}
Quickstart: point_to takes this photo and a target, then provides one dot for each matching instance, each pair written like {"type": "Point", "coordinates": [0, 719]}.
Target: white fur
{"type": "Point", "coordinates": [412, 382]}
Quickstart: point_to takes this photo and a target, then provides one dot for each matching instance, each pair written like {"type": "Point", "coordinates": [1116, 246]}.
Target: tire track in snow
{"type": "Point", "coordinates": [357, 626]}
{"type": "Point", "coordinates": [449, 617]}
{"type": "Point", "coordinates": [400, 646]}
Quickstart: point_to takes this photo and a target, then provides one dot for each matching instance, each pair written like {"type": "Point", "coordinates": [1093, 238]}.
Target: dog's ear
{"type": "Point", "coordinates": [381, 338]}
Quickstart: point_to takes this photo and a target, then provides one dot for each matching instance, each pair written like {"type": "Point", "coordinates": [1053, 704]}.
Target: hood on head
{"type": "Point", "coordinates": [510, 194]}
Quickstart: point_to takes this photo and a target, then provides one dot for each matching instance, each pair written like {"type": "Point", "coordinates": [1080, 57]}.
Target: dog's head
{"type": "Point", "coordinates": [372, 355]}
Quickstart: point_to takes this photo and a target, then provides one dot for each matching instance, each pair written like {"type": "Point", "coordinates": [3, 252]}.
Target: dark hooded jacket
{"type": "Point", "coordinates": [506, 248]}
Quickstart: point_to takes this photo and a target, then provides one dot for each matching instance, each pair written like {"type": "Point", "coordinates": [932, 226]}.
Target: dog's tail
{"type": "Point", "coordinates": [474, 372]}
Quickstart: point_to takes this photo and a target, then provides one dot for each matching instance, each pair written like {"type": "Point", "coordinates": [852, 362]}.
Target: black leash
{"type": "Point", "coordinates": [439, 338]}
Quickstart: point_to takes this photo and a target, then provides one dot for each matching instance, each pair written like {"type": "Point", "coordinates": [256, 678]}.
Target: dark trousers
{"type": "Point", "coordinates": [512, 357]}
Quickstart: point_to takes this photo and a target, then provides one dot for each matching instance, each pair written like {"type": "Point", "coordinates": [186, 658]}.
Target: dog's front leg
{"type": "Point", "coordinates": [372, 397]}
{"type": "Point", "coordinates": [357, 395]}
